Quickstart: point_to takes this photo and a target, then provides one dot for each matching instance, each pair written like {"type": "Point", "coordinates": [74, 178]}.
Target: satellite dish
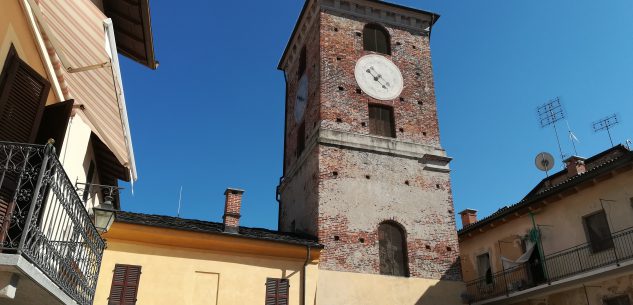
{"type": "Point", "coordinates": [544, 161]}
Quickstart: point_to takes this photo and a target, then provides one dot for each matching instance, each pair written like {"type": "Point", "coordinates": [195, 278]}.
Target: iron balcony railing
{"type": "Point", "coordinates": [555, 266]}
{"type": "Point", "coordinates": [43, 219]}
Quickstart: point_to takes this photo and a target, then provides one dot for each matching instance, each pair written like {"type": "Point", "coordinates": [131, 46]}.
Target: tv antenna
{"type": "Point", "coordinates": [550, 113]}
{"type": "Point", "coordinates": [606, 124]}
{"type": "Point", "coordinates": [179, 201]}
{"type": "Point", "coordinates": [545, 162]}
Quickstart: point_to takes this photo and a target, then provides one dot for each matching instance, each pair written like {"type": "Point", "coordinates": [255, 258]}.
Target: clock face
{"type": "Point", "coordinates": [378, 77]}
{"type": "Point", "coordinates": [302, 98]}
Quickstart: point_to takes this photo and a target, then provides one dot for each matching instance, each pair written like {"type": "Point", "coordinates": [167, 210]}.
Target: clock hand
{"type": "Point", "coordinates": [378, 77]}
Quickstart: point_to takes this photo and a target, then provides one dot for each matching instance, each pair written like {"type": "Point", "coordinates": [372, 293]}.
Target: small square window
{"type": "Point", "coordinates": [619, 300]}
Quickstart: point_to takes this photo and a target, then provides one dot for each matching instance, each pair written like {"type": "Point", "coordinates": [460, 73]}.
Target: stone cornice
{"type": "Point", "coordinates": [433, 158]}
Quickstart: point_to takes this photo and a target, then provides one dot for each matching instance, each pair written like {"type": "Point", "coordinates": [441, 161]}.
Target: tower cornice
{"type": "Point", "coordinates": [373, 10]}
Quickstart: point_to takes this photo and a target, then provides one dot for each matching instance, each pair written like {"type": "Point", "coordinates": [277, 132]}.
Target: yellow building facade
{"type": "Point", "coordinates": [65, 141]}
{"type": "Point", "coordinates": [194, 262]}
{"type": "Point", "coordinates": [569, 241]}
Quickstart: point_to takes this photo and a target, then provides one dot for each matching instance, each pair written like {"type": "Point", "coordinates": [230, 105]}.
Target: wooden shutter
{"type": "Point", "coordinates": [23, 94]}
{"type": "Point", "coordinates": [301, 138]}
{"type": "Point", "coordinates": [381, 121]}
{"type": "Point", "coordinates": [54, 123]}
{"type": "Point", "coordinates": [376, 39]}
{"type": "Point", "coordinates": [598, 232]}
{"type": "Point", "coordinates": [277, 291]}
{"type": "Point", "coordinates": [124, 287]}
{"type": "Point", "coordinates": [392, 253]}
{"type": "Point", "coordinates": [302, 63]}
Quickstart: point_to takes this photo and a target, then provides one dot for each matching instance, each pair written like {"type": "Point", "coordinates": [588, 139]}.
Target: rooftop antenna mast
{"type": "Point", "coordinates": [179, 201]}
{"type": "Point", "coordinates": [550, 113]}
{"type": "Point", "coordinates": [606, 124]}
{"type": "Point", "coordinates": [572, 138]}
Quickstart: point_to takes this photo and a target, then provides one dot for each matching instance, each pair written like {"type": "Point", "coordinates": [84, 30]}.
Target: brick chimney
{"type": "Point", "coordinates": [575, 166]}
{"type": "Point", "coordinates": [469, 216]}
{"type": "Point", "coordinates": [232, 207]}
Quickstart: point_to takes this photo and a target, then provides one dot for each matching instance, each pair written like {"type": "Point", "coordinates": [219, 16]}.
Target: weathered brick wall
{"type": "Point", "coordinates": [341, 194]}
{"type": "Point", "coordinates": [299, 197]}
{"type": "Point", "coordinates": [415, 115]}
{"type": "Point", "coordinates": [371, 188]}
{"type": "Point", "coordinates": [311, 114]}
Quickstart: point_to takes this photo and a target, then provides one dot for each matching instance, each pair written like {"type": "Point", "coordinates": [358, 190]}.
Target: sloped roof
{"type": "Point", "coordinates": [601, 163]}
{"type": "Point", "coordinates": [201, 226]}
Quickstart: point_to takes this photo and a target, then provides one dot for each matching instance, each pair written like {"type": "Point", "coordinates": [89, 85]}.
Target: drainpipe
{"type": "Point", "coordinates": [303, 277]}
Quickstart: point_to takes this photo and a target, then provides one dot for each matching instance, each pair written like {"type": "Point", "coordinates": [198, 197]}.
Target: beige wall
{"type": "Point", "coordinates": [178, 275]}
{"type": "Point", "coordinates": [347, 288]}
{"type": "Point", "coordinates": [560, 222]}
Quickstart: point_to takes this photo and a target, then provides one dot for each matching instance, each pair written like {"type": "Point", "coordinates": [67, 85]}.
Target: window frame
{"type": "Point", "coordinates": [488, 274]}
{"type": "Point", "coordinates": [405, 256]}
{"type": "Point", "coordinates": [301, 138]}
{"type": "Point", "coordinates": [303, 62]}
{"type": "Point", "coordinates": [392, 121]}
{"type": "Point", "coordinates": [593, 245]}
{"type": "Point", "coordinates": [373, 28]}
{"type": "Point", "coordinates": [606, 301]}
{"type": "Point", "coordinates": [125, 284]}
{"type": "Point", "coordinates": [278, 298]}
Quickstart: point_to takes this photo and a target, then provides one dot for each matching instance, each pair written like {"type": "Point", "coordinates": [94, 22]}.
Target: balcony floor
{"type": "Point", "coordinates": [33, 287]}
{"type": "Point", "coordinates": [571, 282]}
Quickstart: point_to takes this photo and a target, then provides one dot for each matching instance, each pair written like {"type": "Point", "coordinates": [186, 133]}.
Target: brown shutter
{"type": "Point", "coordinates": [54, 123]}
{"type": "Point", "coordinates": [23, 94]}
{"type": "Point", "coordinates": [301, 138]}
{"type": "Point", "coordinates": [124, 287]}
{"type": "Point", "coordinates": [376, 39]}
{"type": "Point", "coordinates": [381, 121]}
{"type": "Point", "coordinates": [277, 291]}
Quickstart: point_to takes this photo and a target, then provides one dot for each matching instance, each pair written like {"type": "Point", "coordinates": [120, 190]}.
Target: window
{"type": "Point", "coordinates": [392, 250]}
{"type": "Point", "coordinates": [598, 233]}
{"type": "Point", "coordinates": [619, 300]}
{"type": "Point", "coordinates": [381, 121]}
{"type": "Point", "coordinates": [277, 291]}
{"type": "Point", "coordinates": [376, 39]}
{"type": "Point", "coordinates": [124, 285]}
{"type": "Point", "coordinates": [302, 63]}
{"type": "Point", "coordinates": [483, 267]}
{"type": "Point", "coordinates": [301, 138]}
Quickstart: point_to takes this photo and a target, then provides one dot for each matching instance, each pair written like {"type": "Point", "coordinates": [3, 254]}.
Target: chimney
{"type": "Point", "coordinates": [575, 166]}
{"type": "Point", "coordinates": [469, 216]}
{"type": "Point", "coordinates": [232, 207]}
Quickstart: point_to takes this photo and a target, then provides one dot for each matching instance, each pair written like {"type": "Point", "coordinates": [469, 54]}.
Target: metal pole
{"type": "Point", "coordinates": [560, 149]}
{"type": "Point", "coordinates": [49, 149]}
{"type": "Point", "coordinates": [610, 139]}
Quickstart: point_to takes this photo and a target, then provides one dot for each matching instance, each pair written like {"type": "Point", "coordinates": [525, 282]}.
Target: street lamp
{"type": "Point", "coordinates": [104, 215]}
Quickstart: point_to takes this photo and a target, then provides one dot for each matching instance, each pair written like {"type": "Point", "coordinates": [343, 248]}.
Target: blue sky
{"type": "Point", "coordinates": [211, 116]}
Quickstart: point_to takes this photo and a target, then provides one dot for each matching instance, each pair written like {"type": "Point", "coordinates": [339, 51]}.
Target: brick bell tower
{"type": "Point", "coordinates": [364, 170]}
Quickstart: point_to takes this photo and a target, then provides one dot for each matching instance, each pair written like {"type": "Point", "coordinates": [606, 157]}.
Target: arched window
{"type": "Point", "coordinates": [393, 253]}
{"type": "Point", "coordinates": [376, 39]}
